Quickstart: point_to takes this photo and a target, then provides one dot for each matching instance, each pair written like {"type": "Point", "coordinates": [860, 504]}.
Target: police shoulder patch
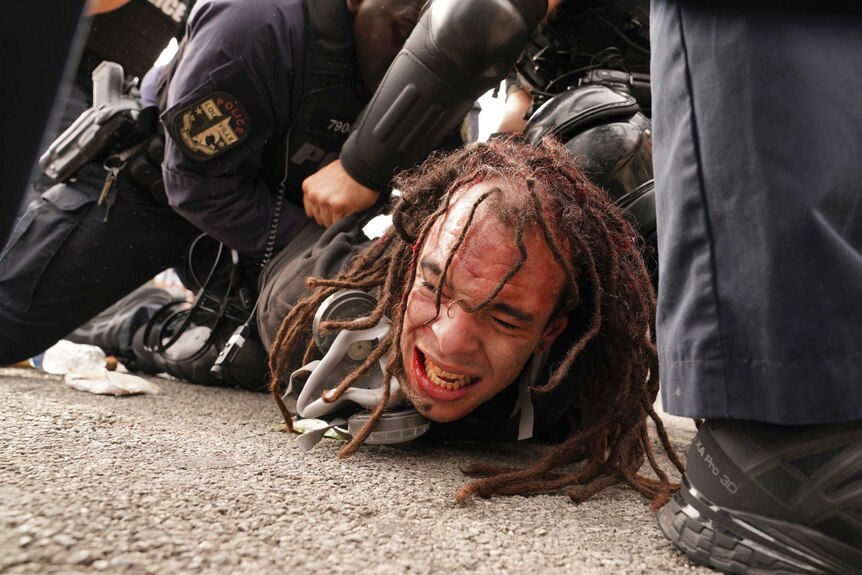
{"type": "Point", "coordinates": [210, 126]}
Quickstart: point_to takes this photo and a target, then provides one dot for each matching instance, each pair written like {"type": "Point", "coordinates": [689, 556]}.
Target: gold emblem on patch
{"type": "Point", "coordinates": [211, 126]}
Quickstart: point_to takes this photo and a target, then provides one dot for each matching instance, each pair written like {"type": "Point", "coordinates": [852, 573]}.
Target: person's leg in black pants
{"type": "Point", "coordinates": [64, 263]}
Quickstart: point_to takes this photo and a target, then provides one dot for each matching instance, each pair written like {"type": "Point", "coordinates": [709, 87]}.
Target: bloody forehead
{"type": "Point", "coordinates": [472, 221]}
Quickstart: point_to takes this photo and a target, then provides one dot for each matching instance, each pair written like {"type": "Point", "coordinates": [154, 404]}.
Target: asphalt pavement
{"type": "Point", "coordinates": [201, 480]}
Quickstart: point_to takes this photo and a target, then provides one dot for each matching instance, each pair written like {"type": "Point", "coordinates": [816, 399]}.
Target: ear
{"type": "Point", "coordinates": [353, 6]}
{"type": "Point", "coordinates": [554, 328]}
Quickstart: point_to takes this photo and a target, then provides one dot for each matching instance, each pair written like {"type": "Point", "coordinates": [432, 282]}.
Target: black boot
{"type": "Point", "coordinates": [761, 498]}
{"type": "Point", "coordinates": [114, 328]}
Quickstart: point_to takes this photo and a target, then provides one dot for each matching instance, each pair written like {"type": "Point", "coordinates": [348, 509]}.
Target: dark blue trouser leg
{"type": "Point", "coordinates": [64, 264]}
{"type": "Point", "coordinates": [758, 140]}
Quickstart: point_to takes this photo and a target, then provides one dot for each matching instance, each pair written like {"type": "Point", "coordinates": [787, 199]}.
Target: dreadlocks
{"type": "Point", "coordinates": [607, 294]}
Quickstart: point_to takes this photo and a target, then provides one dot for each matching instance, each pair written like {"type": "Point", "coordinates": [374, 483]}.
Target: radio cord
{"type": "Point", "coordinates": [240, 334]}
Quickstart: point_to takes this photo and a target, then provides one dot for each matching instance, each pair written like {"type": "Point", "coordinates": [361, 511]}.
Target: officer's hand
{"type": "Point", "coordinates": [330, 194]}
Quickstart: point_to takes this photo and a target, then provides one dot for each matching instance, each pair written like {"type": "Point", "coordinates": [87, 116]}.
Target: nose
{"type": "Point", "coordinates": [456, 331]}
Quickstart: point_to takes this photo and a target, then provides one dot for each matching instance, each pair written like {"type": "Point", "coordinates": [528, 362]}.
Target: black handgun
{"type": "Point", "coordinates": [97, 130]}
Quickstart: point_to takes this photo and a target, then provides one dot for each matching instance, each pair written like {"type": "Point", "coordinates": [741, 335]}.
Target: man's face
{"type": "Point", "coordinates": [457, 360]}
{"type": "Point", "coordinates": [380, 28]}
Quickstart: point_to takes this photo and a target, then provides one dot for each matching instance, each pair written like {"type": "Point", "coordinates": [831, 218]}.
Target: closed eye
{"type": "Point", "coordinates": [504, 324]}
{"type": "Point", "coordinates": [430, 289]}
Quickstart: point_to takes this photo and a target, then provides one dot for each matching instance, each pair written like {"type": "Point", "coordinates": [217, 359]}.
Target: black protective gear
{"type": "Point", "coordinates": [581, 37]}
{"type": "Point", "coordinates": [612, 142]}
{"type": "Point", "coordinates": [446, 64]}
{"type": "Point", "coordinates": [605, 130]}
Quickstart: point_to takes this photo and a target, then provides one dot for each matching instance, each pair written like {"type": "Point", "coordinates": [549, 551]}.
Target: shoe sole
{"type": "Point", "coordinates": [733, 544]}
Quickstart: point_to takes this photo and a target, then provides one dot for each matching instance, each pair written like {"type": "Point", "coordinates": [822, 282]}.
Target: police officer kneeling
{"type": "Point", "coordinates": [259, 96]}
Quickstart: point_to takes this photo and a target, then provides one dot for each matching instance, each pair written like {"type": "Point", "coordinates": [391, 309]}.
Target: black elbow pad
{"type": "Point", "coordinates": [458, 50]}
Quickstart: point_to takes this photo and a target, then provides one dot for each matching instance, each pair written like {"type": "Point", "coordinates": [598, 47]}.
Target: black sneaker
{"type": "Point", "coordinates": [761, 498]}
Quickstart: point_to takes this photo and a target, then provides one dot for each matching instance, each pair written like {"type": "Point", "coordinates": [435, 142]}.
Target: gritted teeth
{"type": "Point", "coordinates": [446, 379]}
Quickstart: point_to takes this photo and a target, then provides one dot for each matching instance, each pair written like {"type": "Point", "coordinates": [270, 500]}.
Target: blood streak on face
{"type": "Point", "coordinates": [456, 360]}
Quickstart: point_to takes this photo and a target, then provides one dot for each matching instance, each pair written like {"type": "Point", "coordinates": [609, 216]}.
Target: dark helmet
{"type": "Point", "coordinates": [580, 37]}
{"type": "Point", "coordinates": [611, 140]}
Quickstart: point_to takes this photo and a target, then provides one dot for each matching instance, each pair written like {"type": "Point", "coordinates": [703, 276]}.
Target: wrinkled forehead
{"type": "Point", "coordinates": [483, 251]}
{"type": "Point", "coordinates": [470, 214]}
{"type": "Point", "coordinates": [479, 223]}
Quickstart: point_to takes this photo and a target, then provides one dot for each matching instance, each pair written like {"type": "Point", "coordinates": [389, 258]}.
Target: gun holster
{"type": "Point", "coordinates": [99, 131]}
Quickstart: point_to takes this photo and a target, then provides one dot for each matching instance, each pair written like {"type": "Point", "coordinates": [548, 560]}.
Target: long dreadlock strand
{"type": "Point", "coordinates": [570, 450]}
{"type": "Point", "coordinates": [663, 481]}
{"type": "Point", "coordinates": [391, 366]}
{"type": "Point", "coordinates": [366, 429]}
{"type": "Point", "coordinates": [285, 412]}
{"type": "Point", "coordinates": [581, 493]}
{"type": "Point", "coordinates": [661, 432]}
{"type": "Point", "coordinates": [438, 290]}
{"type": "Point", "coordinates": [594, 326]}
{"type": "Point", "coordinates": [556, 251]}
{"type": "Point", "coordinates": [332, 395]}
{"type": "Point", "coordinates": [522, 481]}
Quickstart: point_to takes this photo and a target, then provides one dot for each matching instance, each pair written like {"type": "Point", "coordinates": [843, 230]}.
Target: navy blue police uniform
{"type": "Point", "coordinates": [758, 317]}
{"type": "Point", "coordinates": [237, 106]}
{"type": "Point", "coordinates": [230, 111]}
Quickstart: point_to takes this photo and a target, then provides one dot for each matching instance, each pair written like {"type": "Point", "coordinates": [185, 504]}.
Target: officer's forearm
{"type": "Point", "coordinates": [458, 50]}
